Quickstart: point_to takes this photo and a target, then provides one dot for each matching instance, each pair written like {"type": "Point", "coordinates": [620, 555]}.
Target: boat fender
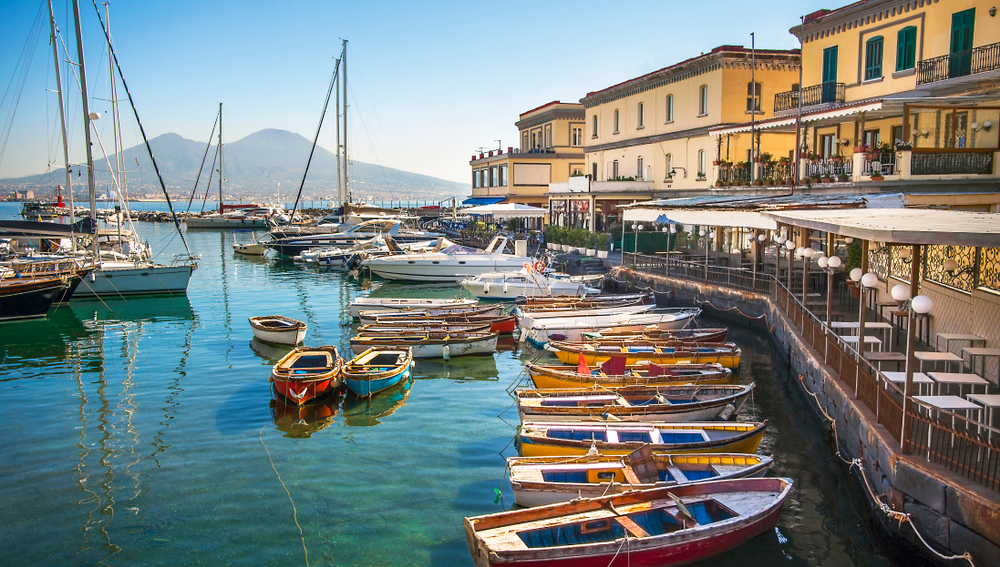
{"type": "Point", "coordinates": [486, 287]}
{"type": "Point", "coordinates": [539, 266]}
{"type": "Point", "coordinates": [93, 277]}
{"type": "Point", "coordinates": [446, 352]}
{"type": "Point", "coordinates": [505, 287]}
{"type": "Point", "coordinates": [727, 412]}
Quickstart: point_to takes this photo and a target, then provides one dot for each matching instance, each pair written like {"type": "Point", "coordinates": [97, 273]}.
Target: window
{"type": "Point", "coordinates": [670, 108]}
{"type": "Point", "coordinates": [494, 182]}
{"type": "Point", "coordinates": [639, 174]}
{"type": "Point", "coordinates": [701, 163]}
{"type": "Point", "coordinates": [906, 48]}
{"type": "Point", "coordinates": [670, 165]}
{"type": "Point", "coordinates": [475, 179]}
{"type": "Point", "coordinates": [503, 175]}
{"type": "Point", "coordinates": [703, 101]}
{"type": "Point", "coordinates": [548, 136]}
{"type": "Point", "coordinates": [595, 126]}
{"type": "Point", "coordinates": [897, 135]}
{"type": "Point", "coordinates": [577, 140]}
{"type": "Point", "coordinates": [534, 140]}
{"type": "Point", "coordinates": [828, 145]}
{"type": "Point", "coordinates": [593, 176]}
{"type": "Point", "coordinates": [525, 147]}
{"type": "Point", "coordinates": [640, 115]}
{"type": "Point", "coordinates": [614, 170]}
{"type": "Point", "coordinates": [753, 97]}
{"type": "Point", "coordinates": [871, 138]}
{"type": "Point", "coordinates": [873, 58]}
{"type": "Point", "coordinates": [616, 122]}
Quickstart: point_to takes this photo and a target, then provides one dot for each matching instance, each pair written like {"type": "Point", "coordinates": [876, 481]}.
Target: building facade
{"type": "Point", "coordinates": [551, 151]}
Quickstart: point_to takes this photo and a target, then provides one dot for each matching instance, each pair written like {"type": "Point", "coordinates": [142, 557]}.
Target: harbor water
{"type": "Point", "coordinates": [144, 432]}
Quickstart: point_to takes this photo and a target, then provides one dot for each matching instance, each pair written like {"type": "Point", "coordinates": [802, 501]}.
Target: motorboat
{"type": "Point", "coordinates": [448, 264]}
{"type": "Point", "coordinates": [292, 246]}
{"type": "Point", "coordinates": [527, 282]}
{"type": "Point", "coordinates": [247, 248]}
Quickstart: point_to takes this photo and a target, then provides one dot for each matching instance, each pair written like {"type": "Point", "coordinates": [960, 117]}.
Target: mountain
{"type": "Point", "coordinates": [253, 168]}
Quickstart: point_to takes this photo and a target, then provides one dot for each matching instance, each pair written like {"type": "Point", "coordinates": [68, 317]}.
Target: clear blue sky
{"type": "Point", "coordinates": [430, 82]}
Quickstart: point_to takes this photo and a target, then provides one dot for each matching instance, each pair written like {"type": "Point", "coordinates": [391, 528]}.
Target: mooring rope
{"type": "Point", "coordinates": [901, 517]}
{"type": "Point", "coordinates": [295, 513]}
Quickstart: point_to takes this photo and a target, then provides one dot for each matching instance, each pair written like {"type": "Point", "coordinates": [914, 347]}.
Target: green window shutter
{"type": "Point", "coordinates": [873, 58]}
{"type": "Point", "coordinates": [906, 48]}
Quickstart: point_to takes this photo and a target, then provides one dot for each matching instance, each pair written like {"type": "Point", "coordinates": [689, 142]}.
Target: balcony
{"type": "Point", "coordinates": [959, 64]}
{"type": "Point", "coordinates": [816, 94]}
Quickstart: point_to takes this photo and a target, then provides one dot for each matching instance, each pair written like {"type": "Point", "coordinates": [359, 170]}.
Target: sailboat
{"type": "Point", "coordinates": [242, 215]}
{"type": "Point", "coordinates": [125, 265]}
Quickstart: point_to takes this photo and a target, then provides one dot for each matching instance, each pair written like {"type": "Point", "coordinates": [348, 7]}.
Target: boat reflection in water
{"type": "Point", "coordinates": [365, 412]}
{"type": "Point", "coordinates": [300, 422]}
{"type": "Point", "coordinates": [267, 351]}
{"type": "Point", "coordinates": [135, 309]}
{"type": "Point", "coordinates": [479, 368]}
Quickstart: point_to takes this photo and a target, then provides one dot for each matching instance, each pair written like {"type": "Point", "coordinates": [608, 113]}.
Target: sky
{"type": "Point", "coordinates": [429, 83]}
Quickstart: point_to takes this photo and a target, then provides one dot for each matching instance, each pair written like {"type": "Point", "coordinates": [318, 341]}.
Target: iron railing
{"type": "Point", "coordinates": [883, 163]}
{"type": "Point", "coordinates": [959, 64]}
{"type": "Point", "coordinates": [954, 441]}
{"type": "Point", "coordinates": [813, 95]}
{"type": "Point", "coordinates": [967, 162]}
{"type": "Point", "coordinates": [832, 168]}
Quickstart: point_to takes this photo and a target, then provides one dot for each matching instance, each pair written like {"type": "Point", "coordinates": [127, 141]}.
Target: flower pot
{"type": "Point", "coordinates": [716, 162]}
{"type": "Point", "coordinates": [551, 245]}
{"type": "Point", "coordinates": [591, 252]}
{"type": "Point", "coordinates": [602, 254]}
{"type": "Point", "coordinates": [877, 178]}
{"type": "Point", "coordinates": [859, 149]}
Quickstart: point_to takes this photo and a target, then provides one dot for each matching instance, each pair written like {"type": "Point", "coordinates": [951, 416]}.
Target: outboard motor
{"type": "Point", "coordinates": [354, 262]}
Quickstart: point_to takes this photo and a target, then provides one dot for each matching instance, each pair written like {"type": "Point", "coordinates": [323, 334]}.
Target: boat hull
{"type": "Point", "coordinates": [254, 249]}
{"type": "Point", "coordinates": [540, 331]}
{"type": "Point", "coordinates": [254, 222]}
{"type": "Point", "coordinates": [430, 348]}
{"type": "Point", "coordinates": [152, 279]}
{"type": "Point", "coordinates": [299, 384]}
{"type": "Point", "coordinates": [740, 438]}
{"type": "Point", "coordinates": [365, 380]}
{"type": "Point", "coordinates": [441, 269]}
{"type": "Point", "coordinates": [564, 377]}
{"type": "Point", "coordinates": [29, 299]}
{"type": "Point", "coordinates": [286, 332]}
{"type": "Point", "coordinates": [389, 305]}
{"type": "Point", "coordinates": [730, 358]}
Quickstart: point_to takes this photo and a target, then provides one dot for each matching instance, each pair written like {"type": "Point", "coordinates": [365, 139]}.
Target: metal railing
{"type": "Point", "coordinates": [831, 168]}
{"type": "Point", "coordinates": [954, 441]}
{"type": "Point", "coordinates": [883, 163]}
{"type": "Point", "coordinates": [967, 162]}
{"type": "Point", "coordinates": [813, 95]}
{"type": "Point", "coordinates": [959, 64]}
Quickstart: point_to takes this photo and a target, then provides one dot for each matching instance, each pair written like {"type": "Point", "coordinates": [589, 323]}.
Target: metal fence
{"type": "Point", "coordinates": [966, 162]}
{"type": "Point", "coordinates": [958, 64]}
{"type": "Point", "coordinates": [954, 441]}
{"type": "Point", "coordinates": [815, 94]}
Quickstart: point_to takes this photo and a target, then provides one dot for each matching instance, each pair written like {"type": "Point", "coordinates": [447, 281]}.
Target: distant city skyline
{"type": "Point", "coordinates": [429, 84]}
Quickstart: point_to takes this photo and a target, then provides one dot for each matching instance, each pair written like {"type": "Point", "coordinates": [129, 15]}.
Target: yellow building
{"type": "Point", "coordinates": [650, 136]}
{"type": "Point", "coordinates": [897, 96]}
{"type": "Point", "coordinates": [551, 138]}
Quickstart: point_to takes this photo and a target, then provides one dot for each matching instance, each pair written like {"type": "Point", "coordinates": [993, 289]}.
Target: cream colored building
{"type": "Point", "coordinates": [920, 78]}
{"type": "Point", "coordinates": [551, 138]}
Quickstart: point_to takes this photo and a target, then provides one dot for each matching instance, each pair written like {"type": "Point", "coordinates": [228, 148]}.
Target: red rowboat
{"type": "Point", "coordinates": [306, 373]}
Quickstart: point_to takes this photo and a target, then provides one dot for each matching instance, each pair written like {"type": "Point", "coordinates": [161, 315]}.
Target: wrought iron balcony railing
{"type": "Point", "coordinates": [959, 64]}
{"type": "Point", "coordinates": [816, 94]}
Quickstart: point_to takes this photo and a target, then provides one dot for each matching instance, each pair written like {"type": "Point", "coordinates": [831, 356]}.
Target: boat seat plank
{"type": "Point", "coordinates": [630, 526]}
{"type": "Point", "coordinates": [630, 476]}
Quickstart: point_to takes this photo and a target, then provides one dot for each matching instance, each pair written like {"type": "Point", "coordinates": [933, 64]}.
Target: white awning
{"type": "Point", "coordinates": [903, 226]}
{"type": "Point", "coordinates": [746, 126]}
{"type": "Point", "coordinates": [703, 217]}
{"type": "Point", "coordinates": [506, 211]}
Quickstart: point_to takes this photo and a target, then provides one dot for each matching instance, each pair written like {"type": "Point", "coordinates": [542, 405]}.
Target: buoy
{"type": "Point", "coordinates": [446, 352]}
{"type": "Point", "coordinates": [539, 266]}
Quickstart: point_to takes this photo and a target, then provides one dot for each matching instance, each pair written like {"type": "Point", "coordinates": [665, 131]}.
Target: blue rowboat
{"type": "Point", "coordinates": [377, 369]}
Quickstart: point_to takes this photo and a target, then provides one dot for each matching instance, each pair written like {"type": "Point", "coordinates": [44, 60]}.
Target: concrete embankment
{"type": "Point", "coordinates": [955, 515]}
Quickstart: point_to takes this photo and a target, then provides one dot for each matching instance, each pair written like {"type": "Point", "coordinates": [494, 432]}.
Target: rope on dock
{"type": "Point", "coordinates": [295, 513]}
{"type": "Point", "coordinates": [701, 302]}
{"type": "Point", "coordinates": [901, 517]}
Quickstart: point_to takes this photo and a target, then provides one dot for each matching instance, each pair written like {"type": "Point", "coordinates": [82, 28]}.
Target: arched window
{"type": "Point", "coordinates": [670, 108]}
{"type": "Point", "coordinates": [594, 175]}
{"type": "Point", "coordinates": [703, 101]}
{"type": "Point", "coordinates": [701, 163]}
{"type": "Point", "coordinates": [640, 115]}
{"type": "Point", "coordinates": [670, 165]}
{"type": "Point", "coordinates": [614, 170]}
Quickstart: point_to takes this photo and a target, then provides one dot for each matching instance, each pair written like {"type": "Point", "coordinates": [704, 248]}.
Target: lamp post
{"type": "Point", "coordinates": [790, 246]}
{"type": "Point", "coordinates": [869, 281]}
{"type": "Point", "coordinates": [831, 264]}
{"type": "Point", "coordinates": [666, 257]}
{"type": "Point", "coordinates": [779, 243]}
{"type": "Point", "coordinates": [807, 254]}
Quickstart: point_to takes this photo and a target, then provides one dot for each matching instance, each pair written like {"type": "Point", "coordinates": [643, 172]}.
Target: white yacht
{"type": "Point", "coordinates": [295, 245]}
{"type": "Point", "coordinates": [448, 264]}
{"type": "Point", "coordinates": [526, 282]}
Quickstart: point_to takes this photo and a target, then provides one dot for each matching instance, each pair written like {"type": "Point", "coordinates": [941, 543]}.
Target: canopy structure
{"type": "Point", "coordinates": [507, 211]}
{"type": "Point", "coordinates": [479, 201]}
{"type": "Point", "coordinates": [902, 226]}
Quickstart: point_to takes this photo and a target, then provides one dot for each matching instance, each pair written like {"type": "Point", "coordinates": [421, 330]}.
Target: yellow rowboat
{"type": "Point", "coordinates": [542, 439]}
{"type": "Point", "coordinates": [633, 403]}
{"type": "Point", "coordinates": [727, 354]}
{"type": "Point", "coordinates": [547, 377]}
{"type": "Point", "coordinates": [538, 481]}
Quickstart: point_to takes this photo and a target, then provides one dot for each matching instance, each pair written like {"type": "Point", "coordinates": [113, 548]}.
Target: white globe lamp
{"type": "Point", "coordinates": [823, 261]}
{"type": "Point", "coordinates": [834, 262]}
{"type": "Point", "coordinates": [869, 280]}
{"type": "Point", "coordinates": [790, 244]}
{"type": "Point", "coordinates": [856, 274]}
{"type": "Point", "coordinates": [900, 292]}
{"type": "Point", "coordinates": [921, 304]}
{"type": "Point", "coordinates": [808, 252]}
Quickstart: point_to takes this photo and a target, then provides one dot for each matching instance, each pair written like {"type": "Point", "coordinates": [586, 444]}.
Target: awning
{"type": "Point", "coordinates": [478, 201]}
{"type": "Point", "coordinates": [506, 211]}
{"type": "Point", "coordinates": [759, 125]}
{"type": "Point", "coordinates": [902, 226]}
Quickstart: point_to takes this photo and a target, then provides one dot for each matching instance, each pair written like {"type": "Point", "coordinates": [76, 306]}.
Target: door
{"type": "Point", "coordinates": [829, 74]}
{"type": "Point", "coordinates": [962, 24]}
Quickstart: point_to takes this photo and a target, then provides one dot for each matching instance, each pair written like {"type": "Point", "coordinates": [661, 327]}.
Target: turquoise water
{"type": "Point", "coordinates": [143, 432]}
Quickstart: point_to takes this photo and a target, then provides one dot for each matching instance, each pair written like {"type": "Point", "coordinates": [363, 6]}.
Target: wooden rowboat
{"type": "Point", "coordinates": [543, 439]}
{"type": "Point", "coordinates": [546, 480]}
{"type": "Point", "coordinates": [659, 527]}
{"type": "Point", "coordinates": [644, 297]}
{"type": "Point", "coordinates": [654, 333]}
{"type": "Point", "coordinates": [368, 317]}
{"type": "Point", "coordinates": [402, 327]}
{"type": "Point", "coordinates": [726, 354]}
{"type": "Point", "coordinates": [390, 304]}
{"type": "Point", "coordinates": [377, 369]}
{"type": "Point", "coordinates": [502, 324]}
{"type": "Point", "coordinates": [633, 403]}
{"type": "Point", "coordinates": [430, 344]}
{"type": "Point", "coordinates": [278, 330]}
{"type": "Point", "coordinates": [558, 376]}
{"type": "Point", "coordinates": [306, 373]}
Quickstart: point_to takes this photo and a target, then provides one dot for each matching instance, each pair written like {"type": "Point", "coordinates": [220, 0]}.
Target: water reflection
{"type": "Point", "coordinates": [300, 422]}
{"type": "Point", "coordinates": [151, 309]}
{"type": "Point", "coordinates": [475, 367]}
{"type": "Point", "coordinates": [268, 351]}
{"type": "Point", "coordinates": [366, 412]}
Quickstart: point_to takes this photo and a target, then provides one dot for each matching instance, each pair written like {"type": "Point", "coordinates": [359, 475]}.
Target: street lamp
{"type": "Point", "coordinates": [922, 305]}
{"type": "Point", "coordinates": [830, 265]}
{"type": "Point", "coordinates": [807, 253]}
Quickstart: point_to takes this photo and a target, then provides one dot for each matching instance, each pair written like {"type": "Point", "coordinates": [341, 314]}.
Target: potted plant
{"type": "Point", "coordinates": [860, 149]}
{"type": "Point", "coordinates": [904, 146]}
{"type": "Point", "coordinates": [718, 184]}
{"type": "Point", "coordinates": [826, 178]}
{"type": "Point", "coordinates": [877, 176]}
{"type": "Point", "coordinates": [759, 182]}
{"type": "Point", "coordinates": [842, 177]}
{"type": "Point", "coordinates": [836, 158]}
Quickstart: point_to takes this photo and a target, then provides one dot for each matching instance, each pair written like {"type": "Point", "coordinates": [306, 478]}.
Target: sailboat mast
{"type": "Point", "coordinates": [220, 159]}
{"type": "Point", "coordinates": [340, 188]}
{"type": "Point", "coordinates": [86, 130]}
{"type": "Point", "coordinates": [343, 58]}
{"type": "Point", "coordinates": [62, 118]}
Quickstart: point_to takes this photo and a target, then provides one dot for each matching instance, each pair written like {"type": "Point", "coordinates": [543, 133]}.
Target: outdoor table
{"type": "Point", "coordinates": [989, 403]}
{"type": "Point", "coordinates": [878, 357]}
{"type": "Point", "coordinates": [961, 378]}
{"type": "Point", "coordinates": [947, 403]}
{"type": "Point", "coordinates": [977, 352]}
{"type": "Point", "coordinates": [919, 378]}
{"type": "Point", "coordinates": [948, 337]}
{"type": "Point", "coordinates": [935, 357]}
{"type": "Point", "coordinates": [853, 325]}
{"type": "Point", "coordinates": [869, 340]}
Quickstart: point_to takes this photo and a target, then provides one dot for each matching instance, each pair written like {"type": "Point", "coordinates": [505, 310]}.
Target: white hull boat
{"type": "Point", "coordinates": [277, 329]}
{"type": "Point", "coordinates": [424, 346]}
{"type": "Point", "coordinates": [131, 278]}
{"type": "Point", "coordinates": [524, 283]}
{"type": "Point", "coordinates": [389, 304]}
{"type": "Point", "coordinates": [572, 328]}
{"type": "Point", "coordinates": [448, 265]}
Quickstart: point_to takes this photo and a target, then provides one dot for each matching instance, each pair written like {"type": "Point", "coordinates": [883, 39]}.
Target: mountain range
{"type": "Point", "coordinates": [253, 168]}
